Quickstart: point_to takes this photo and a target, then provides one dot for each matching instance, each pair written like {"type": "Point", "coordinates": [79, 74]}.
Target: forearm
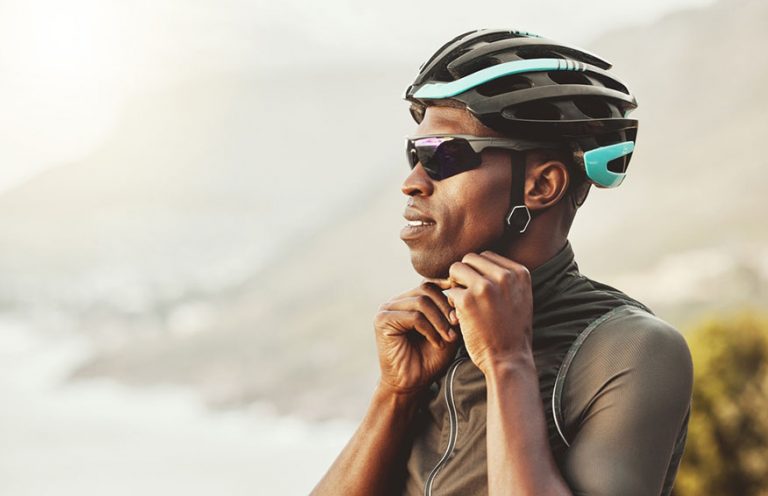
{"type": "Point", "coordinates": [520, 460]}
{"type": "Point", "coordinates": [373, 461]}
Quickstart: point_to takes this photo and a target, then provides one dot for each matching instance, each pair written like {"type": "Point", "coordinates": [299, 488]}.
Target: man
{"type": "Point", "coordinates": [507, 371]}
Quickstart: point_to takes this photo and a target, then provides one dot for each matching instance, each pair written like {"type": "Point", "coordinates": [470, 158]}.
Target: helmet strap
{"type": "Point", "coordinates": [518, 216]}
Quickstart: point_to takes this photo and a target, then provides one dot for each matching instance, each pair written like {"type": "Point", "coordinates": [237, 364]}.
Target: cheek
{"type": "Point", "coordinates": [483, 205]}
{"type": "Point", "coordinates": [491, 204]}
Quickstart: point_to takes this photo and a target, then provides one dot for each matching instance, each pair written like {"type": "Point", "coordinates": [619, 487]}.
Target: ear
{"type": "Point", "coordinates": [545, 184]}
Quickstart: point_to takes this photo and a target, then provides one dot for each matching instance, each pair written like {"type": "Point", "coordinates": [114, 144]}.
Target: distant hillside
{"type": "Point", "coordinates": [199, 184]}
{"type": "Point", "coordinates": [299, 332]}
{"type": "Point", "coordinates": [696, 177]}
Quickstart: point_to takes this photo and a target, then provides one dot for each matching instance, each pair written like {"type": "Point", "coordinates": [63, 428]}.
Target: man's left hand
{"type": "Point", "coordinates": [493, 302]}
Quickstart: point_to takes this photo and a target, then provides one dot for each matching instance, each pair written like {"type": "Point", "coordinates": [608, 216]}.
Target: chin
{"type": "Point", "coordinates": [435, 263]}
{"type": "Point", "coordinates": [431, 265]}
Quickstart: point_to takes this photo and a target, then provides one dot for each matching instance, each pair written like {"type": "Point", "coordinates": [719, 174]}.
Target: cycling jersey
{"type": "Point", "coordinates": [615, 383]}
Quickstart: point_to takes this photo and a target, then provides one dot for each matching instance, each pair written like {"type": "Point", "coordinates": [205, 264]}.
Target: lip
{"type": "Point", "coordinates": [408, 233]}
{"type": "Point", "coordinates": [413, 214]}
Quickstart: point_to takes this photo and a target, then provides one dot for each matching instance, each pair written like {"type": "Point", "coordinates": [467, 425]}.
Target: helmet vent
{"type": "Point", "coordinates": [612, 83]}
{"type": "Point", "coordinates": [593, 107]}
{"type": "Point", "coordinates": [569, 77]}
{"type": "Point", "coordinates": [540, 111]}
{"type": "Point", "coordinates": [534, 52]}
{"type": "Point", "coordinates": [504, 84]}
{"type": "Point", "coordinates": [503, 35]}
{"type": "Point", "coordinates": [477, 65]}
{"type": "Point", "coordinates": [442, 74]}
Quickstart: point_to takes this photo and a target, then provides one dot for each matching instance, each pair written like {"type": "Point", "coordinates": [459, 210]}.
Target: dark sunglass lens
{"type": "Point", "coordinates": [453, 157]}
{"type": "Point", "coordinates": [442, 157]}
{"type": "Point", "coordinates": [422, 151]}
{"type": "Point", "coordinates": [411, 155]}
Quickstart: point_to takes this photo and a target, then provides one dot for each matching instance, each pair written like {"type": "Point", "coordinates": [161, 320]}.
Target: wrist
{"type": "Point", "coordinates": [508, 366]}
{"type": "Point", "coordinates": [401, 394]}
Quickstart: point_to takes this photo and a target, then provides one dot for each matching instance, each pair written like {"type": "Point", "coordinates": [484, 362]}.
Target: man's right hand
{"type": "Point", "coordinates": [415, 338]}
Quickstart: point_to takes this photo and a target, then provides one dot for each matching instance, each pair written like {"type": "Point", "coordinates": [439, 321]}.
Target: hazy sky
{"type": "Point", "coordinates": [68, 66]}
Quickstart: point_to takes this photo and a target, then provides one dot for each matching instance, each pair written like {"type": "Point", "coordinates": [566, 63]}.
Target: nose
{"type": "Point", "coordinates": [418, 182]}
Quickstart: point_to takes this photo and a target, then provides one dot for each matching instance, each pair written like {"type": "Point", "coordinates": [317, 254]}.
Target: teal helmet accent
{"type": "Point", "coordinates": [528, 87]}
{"type": "Point", "coordinates": [596, 163]}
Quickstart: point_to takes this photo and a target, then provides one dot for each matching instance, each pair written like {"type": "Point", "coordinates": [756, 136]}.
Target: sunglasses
{"type": "Point", "coordinates": [446, 155]}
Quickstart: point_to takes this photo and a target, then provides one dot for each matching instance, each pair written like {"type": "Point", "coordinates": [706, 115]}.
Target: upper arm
{"type": "Point", "coordinates": [625, 400]}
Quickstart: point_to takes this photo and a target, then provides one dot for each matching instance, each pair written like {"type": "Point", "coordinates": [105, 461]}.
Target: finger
{"type": "Point", "coordinates": [438, 299]}
{"type": "Point", "coordinates": [441, 302]}
{"type": "Point", "coordinates": [421, 324]}
{"type": "Point", "coordinates": [490, 269]}
{"type": "Point", "coordinates": [454, 296]}
{"type": "Point", "coordinates": [464, 275]}
{"type": "Point", "coordinates": [501, 260]}
{"type": "Point", "coordinates": [400, 322]}
{"type": "Point", "coordinates": [482, 264]}
{"type": "Point", "coordinates": [437, 295]}
{"type": "Point", "coordinates": [519, 272]}
{"type": "Point", "coordinates": [449, 298]}
{"type": "Point", "coordinates": [425, 284]}
{"type": "Point", "coordinates": [441, 283]}
{"type": "Point", "coordinates": [424, 303]}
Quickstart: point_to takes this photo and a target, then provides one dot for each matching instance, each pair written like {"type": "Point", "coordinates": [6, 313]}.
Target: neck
{"type": "Point", "coordinates": [535, 246]}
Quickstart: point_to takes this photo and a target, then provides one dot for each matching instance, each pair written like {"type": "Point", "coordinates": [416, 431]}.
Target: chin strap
{"type": "Point", "coordinates": [518, 216]}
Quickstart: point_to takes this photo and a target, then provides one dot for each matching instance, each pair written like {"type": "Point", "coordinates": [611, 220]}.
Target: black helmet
{"type": "Point", "coordinates": [529, 87]}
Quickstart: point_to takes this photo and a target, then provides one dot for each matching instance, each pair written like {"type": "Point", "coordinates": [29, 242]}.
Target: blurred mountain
{"type": "Point", "coordinates": [695, 178]}
{"type": "Point", "coordinates": [294, 328]}
{"type": "Point", "coordinates": [199, 184]}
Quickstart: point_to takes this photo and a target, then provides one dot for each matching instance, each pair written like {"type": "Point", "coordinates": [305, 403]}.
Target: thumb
{"type": "Point", "coordinates": [450, 294]}
{"type": "Point", "coordinates": [454, 296]}
{"type": "Point", "coordinates": [441, 283]}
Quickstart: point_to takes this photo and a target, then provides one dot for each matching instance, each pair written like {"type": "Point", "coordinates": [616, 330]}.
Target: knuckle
{"type": "Point", "coordinates": [421, 319]}
{"type": "Point", "coordinates": [484, 287]}
{"type": "Point", "coordinates": [380, 317]}
{"type": "Point", "coordinates": [522, 272]}
{"type": "Point", "coordinates": [422, 300]}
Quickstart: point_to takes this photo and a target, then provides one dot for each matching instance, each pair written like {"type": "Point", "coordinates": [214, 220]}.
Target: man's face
{"type": "Point", "coordinates": [468, 209]}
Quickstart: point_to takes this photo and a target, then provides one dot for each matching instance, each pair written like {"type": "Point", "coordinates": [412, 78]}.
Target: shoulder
{"type": "Point", "coordinates": [632, 332]}
{"type": "Point", "coordinates": [628, 355]}
{"type": "Point", "coordinates": [626, 322]}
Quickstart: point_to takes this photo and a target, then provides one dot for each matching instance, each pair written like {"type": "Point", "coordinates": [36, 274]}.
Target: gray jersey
{"type": "Point", "coordinates": [615, 383]}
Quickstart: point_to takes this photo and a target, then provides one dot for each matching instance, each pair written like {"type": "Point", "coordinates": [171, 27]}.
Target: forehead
{"type": "Point", "coordinates": [450, 120]}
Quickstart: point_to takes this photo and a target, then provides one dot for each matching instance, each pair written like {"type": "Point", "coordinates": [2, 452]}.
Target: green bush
{"type": "Point", "coordinates": [727, 448]}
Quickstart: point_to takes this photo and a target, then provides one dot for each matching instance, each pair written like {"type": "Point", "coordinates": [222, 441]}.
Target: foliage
{"type": "Point", "coordinates": [727, 447]}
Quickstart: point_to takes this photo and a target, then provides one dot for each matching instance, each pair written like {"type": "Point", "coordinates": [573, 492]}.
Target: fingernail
{"type": "Point", "coordinates": [453, 318]}
{"type": "Point", "coordinates": [452, 334]}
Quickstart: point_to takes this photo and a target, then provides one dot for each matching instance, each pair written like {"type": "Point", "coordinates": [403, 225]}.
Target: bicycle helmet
{"type": "Point", "coordinates": [530, 87]}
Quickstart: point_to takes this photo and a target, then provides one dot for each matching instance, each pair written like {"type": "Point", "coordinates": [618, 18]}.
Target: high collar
{"type": "Point", "coordinates": [546, 281]}
{"type": "Point", "coordinates": [546, 277]}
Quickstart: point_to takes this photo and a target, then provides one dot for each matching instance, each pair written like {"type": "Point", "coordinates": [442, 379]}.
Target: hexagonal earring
{"type": "Point", "coordinates": [519, 215]}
